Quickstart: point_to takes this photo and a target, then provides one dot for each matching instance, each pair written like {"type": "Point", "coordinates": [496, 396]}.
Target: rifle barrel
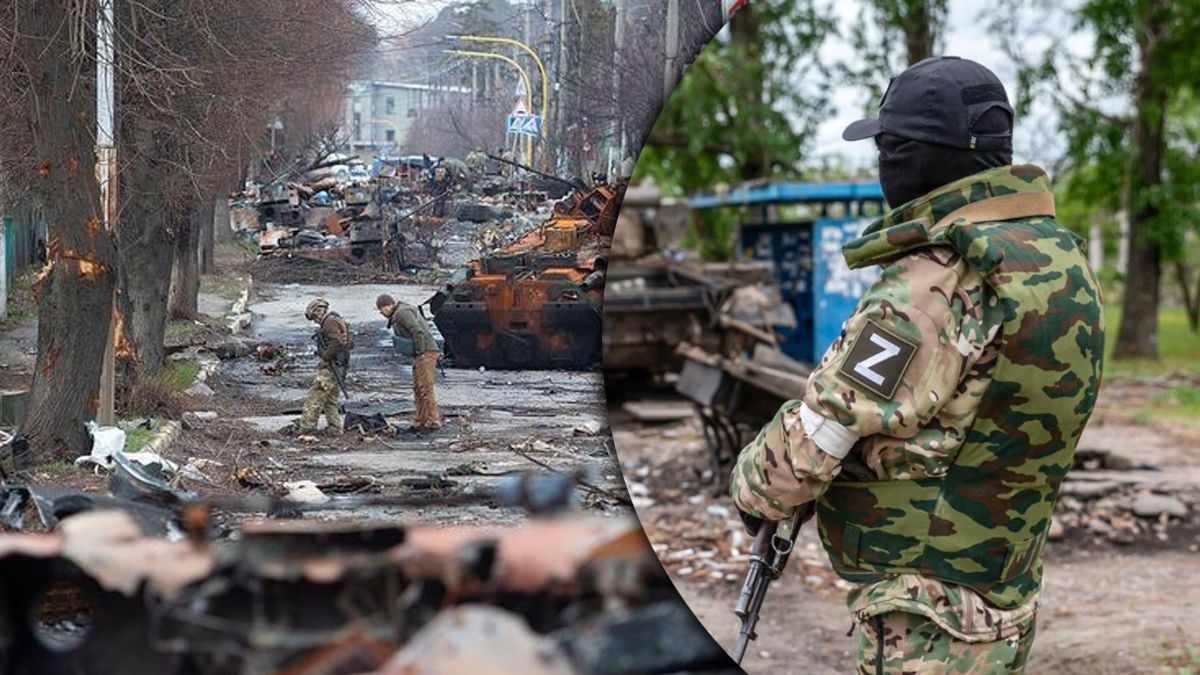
{"type": "Point", "coordinates": [740, 650]}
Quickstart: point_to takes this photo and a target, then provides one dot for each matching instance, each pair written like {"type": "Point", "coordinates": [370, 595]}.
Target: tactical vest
{"type": "Point", "coordinates": [342, 359]}
{"type": "Point", "coordinates": [408, 341]}
{"type": "Point", "coordinates": [983, 522]}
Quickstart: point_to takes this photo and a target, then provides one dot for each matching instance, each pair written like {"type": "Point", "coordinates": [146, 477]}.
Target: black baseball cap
{"type": "Point", "coordinates": [938, 101]}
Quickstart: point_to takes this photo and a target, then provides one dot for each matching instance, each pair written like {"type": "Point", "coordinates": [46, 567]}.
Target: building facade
{"type": "Point", "coordinates": [379, 114]}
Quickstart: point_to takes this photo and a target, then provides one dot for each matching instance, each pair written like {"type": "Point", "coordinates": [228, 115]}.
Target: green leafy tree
{"type": "Point", "coordinates": [745, 110]}
{"type": "Point", "coordinates": [889, 36]}
{"type": "Point", "coordinates": [1142, 158]}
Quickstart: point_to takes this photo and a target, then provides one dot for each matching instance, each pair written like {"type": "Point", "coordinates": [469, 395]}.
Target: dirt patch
{"type": "Point", "coordinates": [297, 269]}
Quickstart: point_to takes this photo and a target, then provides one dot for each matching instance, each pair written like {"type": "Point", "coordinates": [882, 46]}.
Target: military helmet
{"type": "Point", "coordinates": [320, 304]}
{"type": "Point", "coordinates": [384, 300]}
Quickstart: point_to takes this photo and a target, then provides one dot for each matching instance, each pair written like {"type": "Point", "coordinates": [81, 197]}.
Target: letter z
{"type": "Point", "coordinates": [865, 367]}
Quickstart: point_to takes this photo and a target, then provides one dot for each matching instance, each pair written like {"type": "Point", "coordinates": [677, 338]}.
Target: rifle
{"type": "Point", "coordinates": [772, 546]}
{"type": "Point", "coordinates": [336, 371]}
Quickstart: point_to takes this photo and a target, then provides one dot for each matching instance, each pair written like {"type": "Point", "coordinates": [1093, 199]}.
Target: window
{"type": "Point", "coordinates": [412, 112]}
{"type": "Point", "coordinates": [358, 126]}
{"type": "Point", "coordinates": [391, 135]}
{"type": "Point", "coordinates": [391, 106]}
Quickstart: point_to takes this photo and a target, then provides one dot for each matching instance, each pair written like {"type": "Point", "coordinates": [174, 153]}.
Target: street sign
{"type": "Point", "coordinates": [525, 125]}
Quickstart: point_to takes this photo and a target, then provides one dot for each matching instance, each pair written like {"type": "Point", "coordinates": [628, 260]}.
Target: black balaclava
{"type": "Point", "coordinates": [909, 169]}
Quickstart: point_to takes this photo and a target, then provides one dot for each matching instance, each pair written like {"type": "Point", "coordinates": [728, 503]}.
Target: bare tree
{"type": "Point", "coordinates": [49, 119]}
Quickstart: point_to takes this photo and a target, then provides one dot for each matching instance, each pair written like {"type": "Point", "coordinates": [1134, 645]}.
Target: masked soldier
{"type": "Point", "coordinates": [407, 324]}
{"type": "Point", "coordinates": [333, 350]}
{"type": "Point", "coordinates": [936, 430]}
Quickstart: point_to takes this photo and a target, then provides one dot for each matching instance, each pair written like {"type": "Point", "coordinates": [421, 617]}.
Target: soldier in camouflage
{"type": "Point", "coordinates": [935, 432]}
{"type": "Point", "coordinates": [333, 353]}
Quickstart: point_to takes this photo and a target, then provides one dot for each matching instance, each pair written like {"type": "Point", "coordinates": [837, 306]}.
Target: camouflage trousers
{"type": "Point", "coordinates": [424, 396]}
{"type": "Point", "coordinates": [322, 398]}
{"type": "Point", "coordinates": [913, 644]}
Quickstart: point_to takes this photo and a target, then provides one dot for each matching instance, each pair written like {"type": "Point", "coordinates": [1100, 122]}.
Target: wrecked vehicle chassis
{"type": "Point", "coordinates": [325, 597]}
{"type": "Point", "coordinates": [511, 319]}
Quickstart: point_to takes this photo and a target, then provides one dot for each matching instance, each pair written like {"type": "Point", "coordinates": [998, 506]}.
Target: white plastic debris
{"type": "Point", "coordinates": [305, 492]}
{"type": "Point", "coordinates": [106, 441]}
{"type": "Point", "coordinates": [149, 459]}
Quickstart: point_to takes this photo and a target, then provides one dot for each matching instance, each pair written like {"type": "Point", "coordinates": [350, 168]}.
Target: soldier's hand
{"type": "Point", "coordinates": [751, 521]}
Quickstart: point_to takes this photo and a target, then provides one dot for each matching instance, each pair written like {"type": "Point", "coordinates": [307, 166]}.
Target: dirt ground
{"type": "Point", "coordinates": [1107, 607]}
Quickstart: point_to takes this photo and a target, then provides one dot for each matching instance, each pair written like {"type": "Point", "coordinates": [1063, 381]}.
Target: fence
{"type": "Point", "coordinates": [24, 232]}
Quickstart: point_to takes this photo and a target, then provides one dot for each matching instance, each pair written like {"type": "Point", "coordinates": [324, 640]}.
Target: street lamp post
{"type": "Point", "coordinates": [528, 50]}
{"type": "Point", "coordinates": [524, 80]}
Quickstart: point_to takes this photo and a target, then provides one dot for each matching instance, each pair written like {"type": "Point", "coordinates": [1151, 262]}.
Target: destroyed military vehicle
{"type": "Point", "coordinates": [536, 303]}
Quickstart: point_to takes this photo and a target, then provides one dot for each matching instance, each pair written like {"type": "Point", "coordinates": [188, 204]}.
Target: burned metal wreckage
{"type": "Point", "coordinates": [160, 582]}
{"type": "Point", "coordinates": [536, 303]}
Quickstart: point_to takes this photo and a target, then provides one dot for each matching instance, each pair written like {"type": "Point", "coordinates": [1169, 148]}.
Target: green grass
{"type": "Point", "coordinates": [54, 471]}
{"type": "Point", "coordinates": [137, 438]}
{"type": "Point", "coordinates": [179, 374]}
{"type": "Point", "coordinates": [1178, 406]}
{"type": "Point", "coordinates": [225, 286]}
{"type": "Point", "coordinates": [1178, 346]}
{"type": "Point", "coordinates": [1175, 653]}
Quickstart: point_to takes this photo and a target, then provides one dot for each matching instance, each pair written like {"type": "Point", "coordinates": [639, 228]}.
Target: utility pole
{"type": "Point", "coordinates": [671, 69]}
{"type": "Point", "coordinates": [617, 142]}
{"type": "Point", "coordinates": [561, 111]}
{"type": "Point", "coordinates": [106, 173]}
{"type": "Point", "coordinates": [4, 224]}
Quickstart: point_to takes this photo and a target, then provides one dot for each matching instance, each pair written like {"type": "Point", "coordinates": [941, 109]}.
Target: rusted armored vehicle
{"type": "Point", "coordinates": [536, 303]}
{"type": "Point", "coordinates": [656, 299]}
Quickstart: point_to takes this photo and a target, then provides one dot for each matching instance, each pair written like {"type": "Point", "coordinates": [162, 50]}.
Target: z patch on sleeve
{"type": "Point", "coordinates": [877, 360]}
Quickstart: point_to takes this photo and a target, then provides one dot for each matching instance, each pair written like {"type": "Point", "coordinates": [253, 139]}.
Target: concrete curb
{"type": "Point", "coordinates": [163, 438]}
{"type": "Point", "coordinates": [239, 315]}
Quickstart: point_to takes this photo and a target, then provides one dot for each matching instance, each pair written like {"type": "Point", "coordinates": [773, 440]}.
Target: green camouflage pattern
{"type": "Point", "coordinates": [900, 642]}
{"type": "Point", "coordinates": [322, 398]}
{"type": "Point", "coordinates": [931, 294]}
{"type": "Point", "coordinates": [932, 298]}
{"type": "Point", "coordinates": [955, 609]}
{"type": "Point", "coordinates": [980, 519]}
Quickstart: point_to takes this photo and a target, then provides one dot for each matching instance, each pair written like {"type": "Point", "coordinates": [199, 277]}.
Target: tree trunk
{"type": "Point", "coordinates": [207, 242]}
{"type": "Point", "coordinates": [745, 33]}
{"type": "Point", "coordinates": [918, 31]}
{"type": "Point", "coordinates": [145, 249]}
{"type": "Point", "coordinates": [185, 273]}
{"type": "Point", "coordinates": [75, 292]}
{"type": "Point", "coordinates": [1138, 334]}
{"type": "Point", "coordinates": [1191, 301]}
{"type": "Point", "coordinates": [222, 231]}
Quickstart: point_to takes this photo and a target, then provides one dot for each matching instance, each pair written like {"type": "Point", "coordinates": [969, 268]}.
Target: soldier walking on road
{"type": "Point", "coordinates": [935, 433]}
{"type": "Point", "coordinates": [333, 352]}
{"type": "Point", "coordinates": [407, 323]}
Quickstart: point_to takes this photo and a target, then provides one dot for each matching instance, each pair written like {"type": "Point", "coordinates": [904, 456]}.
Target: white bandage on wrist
{"type": "Point", "coordinates": [831, 437]}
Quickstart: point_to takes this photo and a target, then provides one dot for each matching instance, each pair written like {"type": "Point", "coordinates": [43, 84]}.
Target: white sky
{"type": "Point", "coordinates": [966, 35]}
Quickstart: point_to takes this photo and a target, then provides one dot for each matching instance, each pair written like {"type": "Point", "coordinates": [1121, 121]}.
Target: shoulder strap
{"type": "Point", "coordinates": [1004, 207]}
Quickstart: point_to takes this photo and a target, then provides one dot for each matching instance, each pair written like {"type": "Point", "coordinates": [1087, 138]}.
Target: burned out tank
{"type": "Point", "coordinates": [536, 303]}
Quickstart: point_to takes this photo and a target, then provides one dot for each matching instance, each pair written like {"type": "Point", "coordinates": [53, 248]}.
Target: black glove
{"type": "Point", "coordinates": [751, 521]}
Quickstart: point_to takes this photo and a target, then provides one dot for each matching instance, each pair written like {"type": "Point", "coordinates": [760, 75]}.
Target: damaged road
{"type": "Point", "coordinates": [499, 423]}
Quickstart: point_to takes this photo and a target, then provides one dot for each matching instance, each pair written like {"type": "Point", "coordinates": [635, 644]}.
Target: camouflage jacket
{"type": "Point", "coordinates": [406, 322]}
{"type": "Point", "coordinates": [923, 459]}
